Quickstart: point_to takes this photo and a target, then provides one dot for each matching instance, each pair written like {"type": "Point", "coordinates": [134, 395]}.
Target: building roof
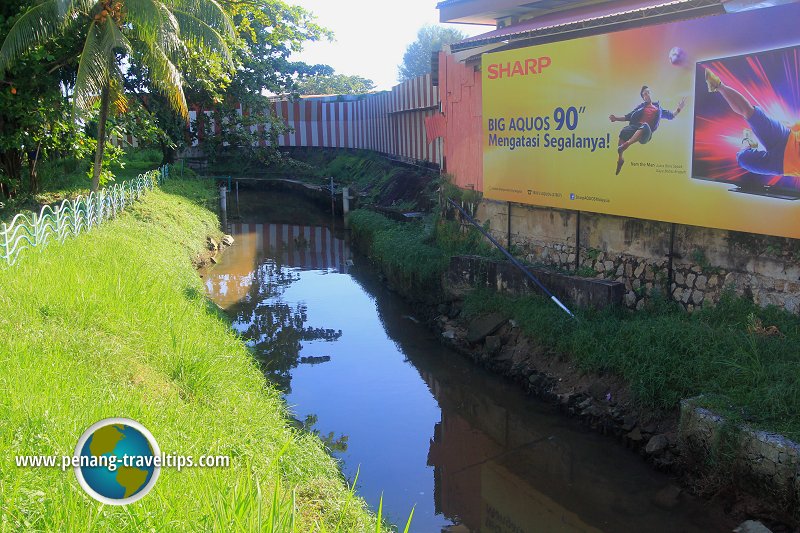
{"type": "Point", "coordinates": [591, 19]}
{"type": "Point", "coordinates": [492, 12]}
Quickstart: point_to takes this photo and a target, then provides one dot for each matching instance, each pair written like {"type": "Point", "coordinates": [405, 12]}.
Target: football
{"type": "Point", "coordinates": [676, 55]}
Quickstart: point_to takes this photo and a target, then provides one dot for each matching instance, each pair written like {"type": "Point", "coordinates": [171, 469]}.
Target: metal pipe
{"type": "Point", "coordinates": [238, 210]}
{"type": "Point", "coordinates": [223, 206]}
{"type": "Point", "coordinates": [333, 198]}
{"type": "Point", "coordinates": [511, 258]}
{"type": "Point", "coordinates": [670, 255]}
{"type": "Point", "coordinates": [346, 206]}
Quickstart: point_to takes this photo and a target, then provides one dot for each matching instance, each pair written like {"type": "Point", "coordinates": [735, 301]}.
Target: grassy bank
{"type": "Point", "coordinates": [115, 323]}
{"type": "Point", "coordinates": [663, 353]}
{"type": "Point", "coordinates": [413, 255]}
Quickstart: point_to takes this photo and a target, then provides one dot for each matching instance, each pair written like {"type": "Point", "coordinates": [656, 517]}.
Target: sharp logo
{"type": "Point", "coordinates": [509, 69]}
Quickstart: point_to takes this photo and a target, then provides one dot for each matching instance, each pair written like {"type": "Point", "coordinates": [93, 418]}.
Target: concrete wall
{"type": "Point", "coordinates": [473, 271]}
{"type": "Point", "coordinates": [636, 252]}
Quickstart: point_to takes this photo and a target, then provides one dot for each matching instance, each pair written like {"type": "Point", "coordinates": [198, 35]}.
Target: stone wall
{"type": "Point", "coordinates": [503, 276]}
{"type": "Point", "coordinates": [636, 253]}
{"type": "Point", "coordinates": [768, 464]}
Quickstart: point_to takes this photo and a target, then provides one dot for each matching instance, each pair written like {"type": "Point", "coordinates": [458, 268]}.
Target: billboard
{"type": "Point", "coordinates": [695, 122]}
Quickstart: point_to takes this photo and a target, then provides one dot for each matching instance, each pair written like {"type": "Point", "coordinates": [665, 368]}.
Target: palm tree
{"type": "Point", "coordinates": [161, 31]}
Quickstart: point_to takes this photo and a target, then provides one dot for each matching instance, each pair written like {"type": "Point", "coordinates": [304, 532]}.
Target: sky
{"type": "Point", "coordinates": [371, 36]}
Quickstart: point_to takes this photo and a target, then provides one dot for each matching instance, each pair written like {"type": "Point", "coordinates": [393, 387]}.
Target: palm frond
{"type": "Point", "coordinates": [153, 22]}
{"type": "Point", "coordinates": [208, 11]}
{"type": "Point", "coordinates": [31, 29]}
{"type": "Point", "coordinates": [92, 69]}
{"type": "Point", "coordinates": [76, 6]}
{"type": "Point", "coordinates": [114, 40]}
{"type": "Point", "coordinates": [165, 77]}
{"type": "Point", "coordinates": [195, 32]}
{"type": "Point", "coordinates": [98, 62]}
{"type": "Point", "coordinates": [63, 7]}
{"type": "Point", "coordinates": [118, 98]}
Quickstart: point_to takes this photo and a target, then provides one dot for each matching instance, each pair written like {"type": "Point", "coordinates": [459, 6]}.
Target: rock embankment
{"type": "Point", "coordinates": [603, 402]}
{"type": "Point", "coordinates": [496, 342]}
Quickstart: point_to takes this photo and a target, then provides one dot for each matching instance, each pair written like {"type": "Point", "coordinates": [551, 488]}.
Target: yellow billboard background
{"type": "Point", "coordinates": [603, 75]}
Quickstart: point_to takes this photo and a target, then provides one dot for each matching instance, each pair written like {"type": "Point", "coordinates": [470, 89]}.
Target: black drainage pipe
{"type": "Point", "coordinates": [511, 258]}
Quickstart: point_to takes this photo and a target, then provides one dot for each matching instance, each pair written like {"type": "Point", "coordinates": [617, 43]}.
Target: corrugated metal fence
{"type": "Point", "coordinates": [389, 122]}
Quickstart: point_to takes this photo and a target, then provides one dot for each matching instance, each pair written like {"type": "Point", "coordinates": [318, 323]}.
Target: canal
{"type": "Point", "coordinates": [423, 426]}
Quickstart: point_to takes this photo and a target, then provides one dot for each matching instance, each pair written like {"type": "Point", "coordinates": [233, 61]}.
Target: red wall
{"type": "Point", "coordinates": [460, 94]}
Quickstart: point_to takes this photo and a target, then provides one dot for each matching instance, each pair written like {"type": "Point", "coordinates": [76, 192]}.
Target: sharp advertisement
{"type": "Point", "coordinates": [694, 122]}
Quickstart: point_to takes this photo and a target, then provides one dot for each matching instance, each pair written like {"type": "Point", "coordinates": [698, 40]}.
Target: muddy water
{"type": "Point", "coordinates": [422, 425]}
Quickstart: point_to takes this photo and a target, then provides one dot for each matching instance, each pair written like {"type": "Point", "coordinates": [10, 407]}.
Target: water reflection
{"type": "Point", "coordinates": [506, 463]}
{"type": "Point", "coordinates": [427, 429]}
{"type": "Point", "coordinates": [252, 277]}
{"type": "Point", "coordinates": [268, 257]}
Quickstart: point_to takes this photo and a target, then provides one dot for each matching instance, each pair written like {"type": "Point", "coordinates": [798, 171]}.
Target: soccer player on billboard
{"type": "Point", "coordinates": [642, 122]}
{"type": "Point", "coordinates": [780, 155]}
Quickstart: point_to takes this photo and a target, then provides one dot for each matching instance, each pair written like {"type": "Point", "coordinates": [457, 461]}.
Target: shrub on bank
{"type": "Point", "coordinates": [412, 265]}
{"type": "Point", "coordinates": [414, 255]}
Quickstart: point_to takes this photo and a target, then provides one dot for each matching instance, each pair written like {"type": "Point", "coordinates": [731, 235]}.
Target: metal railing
{"type": "Point", "coordinates": [71, 217]}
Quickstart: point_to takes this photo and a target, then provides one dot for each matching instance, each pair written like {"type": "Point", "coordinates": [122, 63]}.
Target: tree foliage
{"type": "Point", "coordinates": [334, 84]}
{"type": "Point", "coordinates": [34, 113]}
{"type": "Point", "coordinates": [268, 32]}
{"type": "Point", "coordinates": [161, 31]}
{"type": "Point", "coordinates": [149, 58]}
{"type": "Point", "coordinates": [430, 38]}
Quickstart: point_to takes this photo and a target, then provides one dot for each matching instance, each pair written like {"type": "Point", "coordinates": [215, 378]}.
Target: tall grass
{"type": "Point", "coordinates": [115, 323]}
{"type": "Point", "coordinates": [414, 255]}
{"type": "Point", "coordinates": [403, 251]}
{"type": "Point", "coordinates": [665, 354]}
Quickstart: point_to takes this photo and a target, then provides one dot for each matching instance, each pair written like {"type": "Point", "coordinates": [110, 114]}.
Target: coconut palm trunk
{"type": "Point", "coordinates": [156, 33]}
{"type": "Point", "coordinates": [101, 137]}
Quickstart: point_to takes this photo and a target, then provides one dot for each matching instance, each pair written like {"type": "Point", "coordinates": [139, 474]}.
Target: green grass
{"type": "Point", "coordinates": [115, 323]}
{"type": "Point", "coordinates": [402, 251]}
{"type": "Point", "coordinates": [663, 353]}
{"type": "Point", "coordinates": [67, 178]}
{"type": "Point", "coordinates": [666, 354]}
{"type": "Point", "coordinates": [414, 255]}
{"type": "Point", "coordinates": [136, 161]}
